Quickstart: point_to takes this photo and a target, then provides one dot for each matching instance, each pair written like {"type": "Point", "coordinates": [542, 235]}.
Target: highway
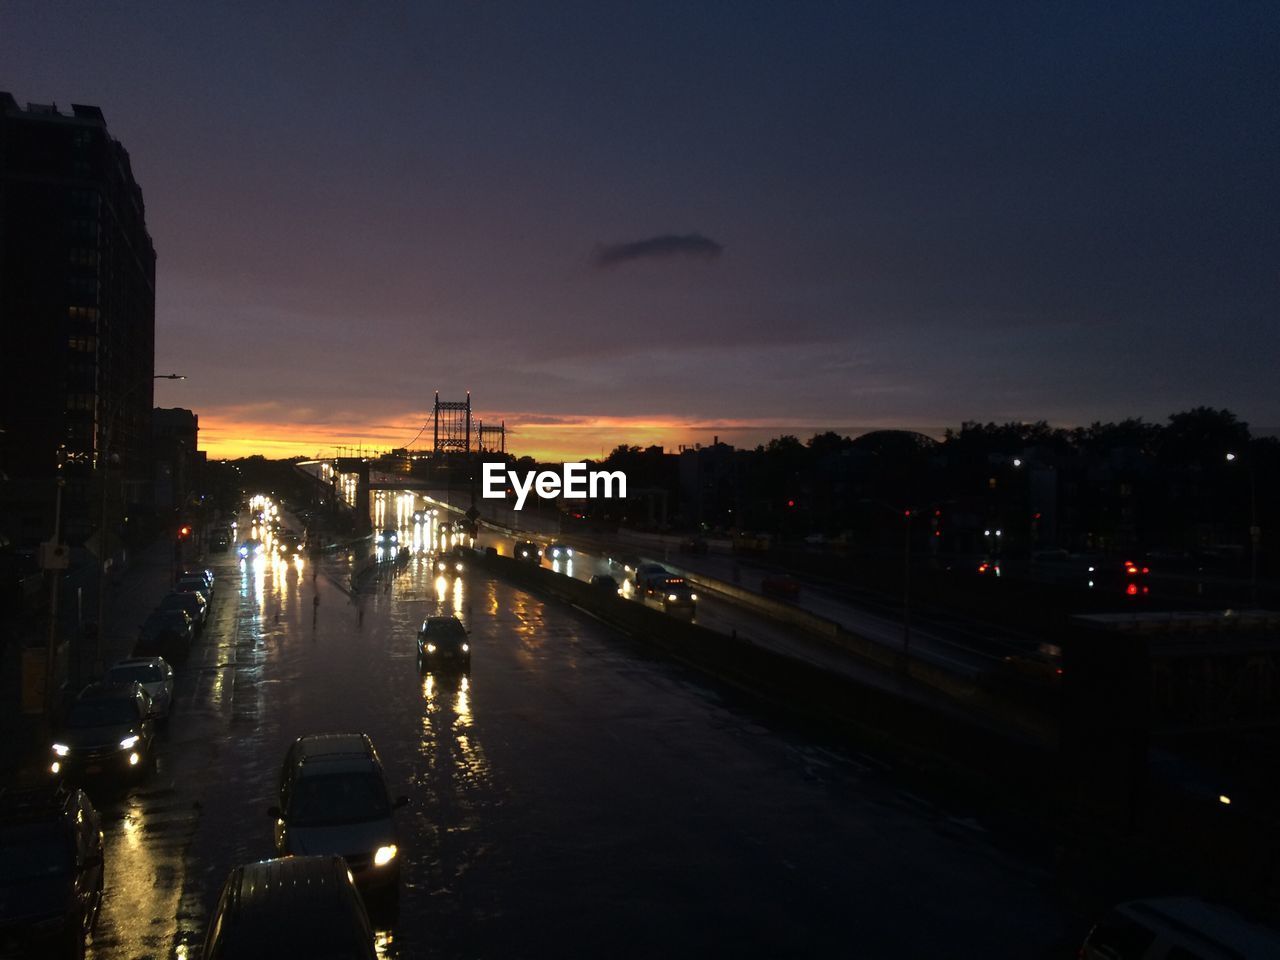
{"type": "Point", "coordinates": [573, 795]}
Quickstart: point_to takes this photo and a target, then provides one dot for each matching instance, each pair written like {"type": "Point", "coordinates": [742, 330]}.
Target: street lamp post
{"type": "Point", "coordinates": [104, 461]}
{"type": "Point", "coordinates": [1255, 530]}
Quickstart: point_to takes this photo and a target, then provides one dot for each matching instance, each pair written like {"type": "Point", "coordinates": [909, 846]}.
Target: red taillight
{"type": "Point", "coordinates": [1131, 589]}
{"type": "Point", "coordinates": [1146, 569]}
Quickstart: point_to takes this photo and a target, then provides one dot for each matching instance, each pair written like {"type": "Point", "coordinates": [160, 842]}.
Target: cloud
{"type": "Point", "coordinates": [666, 245]}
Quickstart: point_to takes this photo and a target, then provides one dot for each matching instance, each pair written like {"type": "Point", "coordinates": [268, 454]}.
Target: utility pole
{"type": "Point", "coordinates": [54, 559]}
{"type": "Point", "coordinates": [906, 592]}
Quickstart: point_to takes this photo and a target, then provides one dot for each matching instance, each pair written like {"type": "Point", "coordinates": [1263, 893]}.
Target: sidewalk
{"type": "Point", "coordinates": [131, 595]}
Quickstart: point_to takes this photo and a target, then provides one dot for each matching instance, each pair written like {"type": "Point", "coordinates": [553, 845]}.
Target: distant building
{"type": "Point", "coordinates": [175, 435]}
{"type": "Point", "coordinates": [77, 323]}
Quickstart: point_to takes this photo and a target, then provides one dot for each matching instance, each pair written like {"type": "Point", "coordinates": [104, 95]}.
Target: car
{"type": "Point", "coordinates": [203, 572]}
{"type": "Point", "coordinates": [672, 594]}
{"type": "Point", "coordinates": [333, 799]}
{"type": "Point", "coordinates": [557, 551]}
{"type": "Point", "coordinates": [644, 572]}
{"type": "Point", "coordinates": [250, 548]}
{"type": "Point", "coordinates": [780, 586]}
{"type": "Point", "coordinates": [51, 871]}
{"type": "Point", "coordinates": [110, 732]}
{"type": "Point", "coordinates": [442, 642]}
{"type": "Point", "coordinates": [221, 542]}
{"type": "Point", "coordinates": [387, 538]}
{"type": "Point", "coordinates": [192, 585]}
{"type": "Point", "coordinates": [156, 677]}
{"type": "Point", "coordinates": [293, 908]}
{"type": "Point", "coordinates": [192, 601]}
{"type": "Point", "coordinates": [288, 547]}
{"type": "Point", "coordinates": [526, 550]}
{"type": "Point", "coordinates": [165, 633]}
{"type": "Point", "coordinates": [448, 564]}
{"type": "Point", "coordinates": [1177, 928]}
{"type": "Point", "coordinates": [604, 583]}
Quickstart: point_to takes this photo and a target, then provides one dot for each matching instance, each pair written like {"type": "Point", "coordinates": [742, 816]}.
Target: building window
{"type": "Point", "coordinates": [82, 344]}
{"type": "Point", "coordinates": [89, 314]}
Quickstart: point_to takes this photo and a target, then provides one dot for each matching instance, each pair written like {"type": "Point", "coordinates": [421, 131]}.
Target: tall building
{"type": "Point", "coordinates": [77, 325]}
{"type": "Point", "coordinates": [175, 437]}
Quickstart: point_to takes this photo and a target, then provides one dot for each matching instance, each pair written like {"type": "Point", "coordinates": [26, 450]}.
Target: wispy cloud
{"type": "Point", "coordinates": [664, 246]}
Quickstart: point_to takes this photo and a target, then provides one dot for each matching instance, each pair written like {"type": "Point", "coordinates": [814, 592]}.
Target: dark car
{"type": "Point", "coordinates": [294, 908]}
{"type": "Point", "coordinates": [193, 585]}
{"type": "Point", "coordinates": [221, 542]}
{"type": "Point", "coordinates": [526, 550]}
{"type": "Point", "coordinates": [333, 799]}
{"type": "Point", "coordinates": [557, 551]}
{"type": "Point", "coordinates": [780, 586]}
{"type": "Point", "coordinates": [110, 731]}
{"type": "Point", "coordinates": [192, 602]}
{"type": "Point", "coordinates": [604, 583]}
{"type": "Point", "coordinates": [50, 871]}
{"type": "Point", "coordinates": [204, 573]}
{"type": "Point", "coordinates": [442, 642]}
{"type": "Point", "coordinates": [165, 633]}
{"type": "Point", "coordinates": [694, 545]}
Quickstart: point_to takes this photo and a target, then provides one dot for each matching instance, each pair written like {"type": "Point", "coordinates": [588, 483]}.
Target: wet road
{"type": "Point", "coordinates": [571, 797]}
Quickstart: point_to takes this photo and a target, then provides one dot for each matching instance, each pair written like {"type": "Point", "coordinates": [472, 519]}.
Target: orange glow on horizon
{"type": "Point", "coordinates": [228, 433]}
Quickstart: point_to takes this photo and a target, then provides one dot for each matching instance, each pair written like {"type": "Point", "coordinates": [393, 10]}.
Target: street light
{"type": "Point", "coordinates": [1255, 531]}
{"type": "Point", "coordinates": [104, 461]}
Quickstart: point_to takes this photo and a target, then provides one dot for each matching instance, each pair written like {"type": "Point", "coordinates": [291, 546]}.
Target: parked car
{"type": "Point", "coordinates": [1177, 928]}
{"type": "Point", "coordinates": [294, 908]}
{"type": "Point", "coordinates": [333, 799]}
{"type": "Point", "coordinates": [193, 584]}
{"type": "Point", "coordinates": [156, 677]}
{"type": "Point", "coordinates": [192, 602]}
{"type": "Point", "coordinates": [109, 732]}
{"type": "Point", "coordinates": [51, 870]}
{"type": "Point", "coordinates": [165, 633]}
{"type": "Point", "coordinates": [442, 642]}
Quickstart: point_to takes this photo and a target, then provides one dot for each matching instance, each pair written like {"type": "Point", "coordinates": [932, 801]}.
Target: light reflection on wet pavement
{"type": "Point", "coordinates": [571, 796]}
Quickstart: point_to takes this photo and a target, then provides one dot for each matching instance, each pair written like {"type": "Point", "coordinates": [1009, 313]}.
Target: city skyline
{"type": "Point", "coordinates": [660, 225]}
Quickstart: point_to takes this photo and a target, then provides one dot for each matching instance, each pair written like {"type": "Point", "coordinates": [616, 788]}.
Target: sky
{"type": "Point", "coordinates": [663, 222]}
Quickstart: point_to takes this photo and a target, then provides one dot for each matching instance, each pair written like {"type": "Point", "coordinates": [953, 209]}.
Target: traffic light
{"type": "Point", "coordinates": [184, 532]}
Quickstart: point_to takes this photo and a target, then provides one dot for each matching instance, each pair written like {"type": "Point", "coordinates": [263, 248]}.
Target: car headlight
{"type": "Point", "coordinates": [258, 550]}
{"type": "Point", "coordinates": [524, 553]}
{"type": "Point", "coordinates": [693, 596]}
{"type": "Point", "coordinates": [384, 855]}
{"type": "Point", "coordinates": [431, 648]}
{"type": "Point", "coordinates": [671, 598]}
{"type": "Point", "coordinates": [439, 566]}
{"type": "Point", "coordinates": [458, 567]}
{"type": "Point", "coordinates": [244, 551]}
{"type": "Point", "coordinates": [466, 648]}
{"type": "Point", "coordinates": [128, 743]}
{"type": "Point", "coordinates": [569, 552]}
{"type": "Point", "coordinates": [61, 749]}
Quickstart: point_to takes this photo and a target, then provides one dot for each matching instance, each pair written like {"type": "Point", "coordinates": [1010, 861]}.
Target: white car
{"type": "Point", "coordinates": [156, 677]}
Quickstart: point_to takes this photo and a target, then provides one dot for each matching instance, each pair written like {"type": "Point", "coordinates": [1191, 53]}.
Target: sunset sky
{"type": "Point", "coordinates": [659, 222]}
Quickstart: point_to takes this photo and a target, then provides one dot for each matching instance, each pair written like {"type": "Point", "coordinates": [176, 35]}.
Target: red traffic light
{"type": "Point", "coordinates": [791, 503]}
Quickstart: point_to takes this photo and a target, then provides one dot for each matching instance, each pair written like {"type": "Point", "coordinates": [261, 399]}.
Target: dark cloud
{"type": "Point", "coordinates": [666, 245]}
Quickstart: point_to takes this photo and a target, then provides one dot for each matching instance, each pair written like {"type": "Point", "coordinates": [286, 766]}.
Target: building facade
{"type": "Point", "coordinates": [77, 324]}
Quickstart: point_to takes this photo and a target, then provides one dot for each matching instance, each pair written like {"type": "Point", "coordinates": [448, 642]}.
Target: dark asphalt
{"type": "Point", "coordinates": [572, 798]}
